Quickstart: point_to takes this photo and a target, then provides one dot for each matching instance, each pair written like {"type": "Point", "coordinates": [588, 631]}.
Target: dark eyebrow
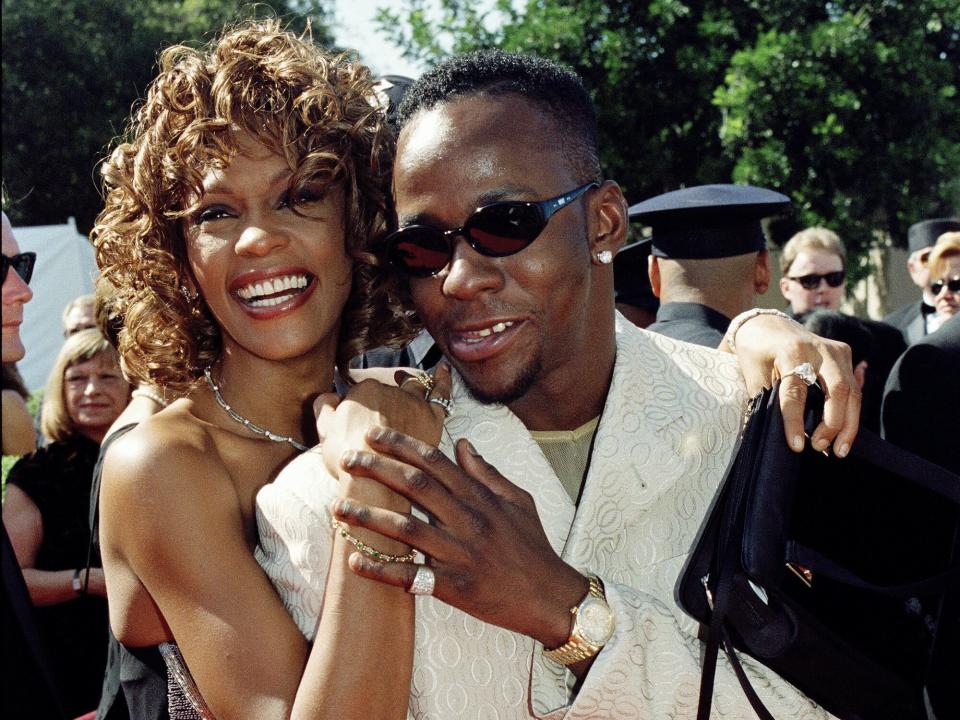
{"type": "Point", "coordinates": [510, 191]}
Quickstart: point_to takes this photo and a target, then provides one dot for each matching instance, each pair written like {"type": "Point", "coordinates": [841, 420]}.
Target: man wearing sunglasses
{"type": "Point", "coordinates": [28, 688]}
{"type": "Point", "coordinates": [549, 588]}
{"type": "Point", "coordinates": [708, 259]}
{"type": "Point", "coordinates": [915, 319]}
{"type": "Point", "coordinates": [17, 270]}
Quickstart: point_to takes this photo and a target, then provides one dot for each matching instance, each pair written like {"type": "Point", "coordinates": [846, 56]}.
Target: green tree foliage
{"type": "Point", "coordinates": [847, 106]}
{"type": "Point", "coordinates": [856, 115]}
{"type": "Point", "coordinates": [73, 69]}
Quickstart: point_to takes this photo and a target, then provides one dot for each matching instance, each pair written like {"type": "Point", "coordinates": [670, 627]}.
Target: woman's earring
{"type": "Point", "coordinates": [190, 298]}
{"type": "Point", "coordinates": [604, 257]}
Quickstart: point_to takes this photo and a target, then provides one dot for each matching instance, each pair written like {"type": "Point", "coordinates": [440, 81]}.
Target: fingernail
{"type": "Point", "coordinates": [340, 507]}
{"type": "Point", "coordinates": [471, 449]}
{"type": "Point", "coordinates": [376, 433]}
{"type": "Point", "coordinates": [349, 458]}
{"type": "Point", "coordinates": [844, 450]}
{"type": "Point", "coordinates": [821, 445]}
{"type": "Point", "coordinates": [797, 442]}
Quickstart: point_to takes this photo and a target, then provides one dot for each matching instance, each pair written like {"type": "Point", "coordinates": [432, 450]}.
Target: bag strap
{"type": "Point", "coordinates": [822, 565]}
{"type": "Point", "coordinates": [95, 496]}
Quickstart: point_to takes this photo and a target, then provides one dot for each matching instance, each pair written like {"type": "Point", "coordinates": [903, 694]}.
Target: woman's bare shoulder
{"type": "Point", "coordinates": [165, 451]}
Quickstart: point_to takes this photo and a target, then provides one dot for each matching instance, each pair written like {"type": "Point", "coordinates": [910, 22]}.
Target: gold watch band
{"type": "Point", "coordinates": [576, 648]}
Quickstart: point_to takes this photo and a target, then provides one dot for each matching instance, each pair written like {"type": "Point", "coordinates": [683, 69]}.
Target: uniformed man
{"type": "Point", "coordinates": [631, 285]}
{"type": "Point", "coordinates": [708, 256]}
{"type": "Point", "coordinates": [912, 318]}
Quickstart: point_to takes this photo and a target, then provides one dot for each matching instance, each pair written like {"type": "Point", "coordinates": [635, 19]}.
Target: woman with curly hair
{"type": "Point", "coordinates": [236, 232]}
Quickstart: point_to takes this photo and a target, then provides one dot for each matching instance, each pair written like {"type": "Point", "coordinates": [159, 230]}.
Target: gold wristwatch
{"type": "Point", "coordinates": [592, 627]}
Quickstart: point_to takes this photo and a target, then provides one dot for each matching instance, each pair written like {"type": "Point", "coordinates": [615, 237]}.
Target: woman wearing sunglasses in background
{"type": "Point", "coordinates": [944, 264]}
{"type": "Point", "coordinates": [813, 264]}
{"type": "Point", "coordinates": [238, 217]}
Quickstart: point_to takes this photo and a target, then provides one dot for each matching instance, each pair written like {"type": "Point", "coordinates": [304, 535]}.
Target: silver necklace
{"type": "Point", "coordinates": [237, 417]}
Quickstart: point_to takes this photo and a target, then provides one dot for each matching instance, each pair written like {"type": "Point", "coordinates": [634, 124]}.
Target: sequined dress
{"type": "Point", "coordinates": [183, 697]}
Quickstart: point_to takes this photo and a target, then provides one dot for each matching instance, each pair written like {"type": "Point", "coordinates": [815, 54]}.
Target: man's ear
{"type": "Point", "coordinates": [761, 272]}
{"type": "Point", "coordinates": [610, 225]}
{"type": "Point", "coordinates": [653, 271]}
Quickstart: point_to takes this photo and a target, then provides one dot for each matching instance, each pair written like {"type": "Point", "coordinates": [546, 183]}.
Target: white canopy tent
{"type": "Point", "coordinates": [65, 269]}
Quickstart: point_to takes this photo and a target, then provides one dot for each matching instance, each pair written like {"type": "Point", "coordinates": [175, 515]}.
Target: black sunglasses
{"type": "Point", "coordinates": [495, 230]}
{"type": "Point", "coordinates": [953, 285]}
{"type": "Point", "coordinates": [812, 281]}
{"type": "Point", "coordinates": [22, 264]}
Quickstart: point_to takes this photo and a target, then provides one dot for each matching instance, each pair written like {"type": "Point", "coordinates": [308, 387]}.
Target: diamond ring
{"type": "Point", "coordinates": [423, 582]}
{"type": "Point", "coordinates": [445, 403]}
{"type": "Point", "coordinates": [805, 372]}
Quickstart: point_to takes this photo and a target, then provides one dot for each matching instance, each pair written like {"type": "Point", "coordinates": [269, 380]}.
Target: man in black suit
{"type": "Point", "coordinates": [708, 259]}
{"type": "Point", "coordinates": [920, 414]}
{"type": "Point", "coordinates": [911, 319]}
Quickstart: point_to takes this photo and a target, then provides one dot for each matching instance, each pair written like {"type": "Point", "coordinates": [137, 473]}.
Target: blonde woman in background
{"type": "Point", "coordinates": [944, 285]}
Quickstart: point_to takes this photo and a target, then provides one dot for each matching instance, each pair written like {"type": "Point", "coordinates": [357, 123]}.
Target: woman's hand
{"type": "Point", "coordinates": [342, 423]}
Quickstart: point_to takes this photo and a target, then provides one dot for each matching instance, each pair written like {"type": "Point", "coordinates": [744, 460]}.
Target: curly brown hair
{"type": "Point", "coordinates": [312, 107]}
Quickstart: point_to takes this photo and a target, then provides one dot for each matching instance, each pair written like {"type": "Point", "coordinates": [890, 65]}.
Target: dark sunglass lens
{"type": "Point", "coordinates": [504, 228]}
{"type": "Point", "coordinates": [936, 287]}
{"type": "Point", "coordinates": [834, 279]}
{"type": "Point", "coordinates": [809, 282]}
{"type": "Point", "coordinates": [22, 265]}
{"type": "Point", "coordinates": [419, 252]}
{"type": "Point", "coordinates": [954, 285]}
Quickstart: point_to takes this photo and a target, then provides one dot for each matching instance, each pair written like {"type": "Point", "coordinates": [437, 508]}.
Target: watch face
{"type": "Point", "coordinates": [595, 621]}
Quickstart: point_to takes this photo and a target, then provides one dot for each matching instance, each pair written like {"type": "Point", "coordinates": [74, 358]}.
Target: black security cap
{"type": "Point", "coordinates": [708, 221]}
{"type": "Point", "coordinates": [391, 89]}
{"type": "Point", "coordinates": [924, 234]}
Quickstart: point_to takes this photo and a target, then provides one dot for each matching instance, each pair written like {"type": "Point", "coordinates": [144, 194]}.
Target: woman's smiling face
{"type": "Point", "coordinates": [272, 269]}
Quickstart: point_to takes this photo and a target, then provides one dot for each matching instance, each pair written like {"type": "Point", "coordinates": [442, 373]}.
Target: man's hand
{"type": "Point", "coordinates": [485, 543]}
{"type": "Point", "coordinates": [770, 347]}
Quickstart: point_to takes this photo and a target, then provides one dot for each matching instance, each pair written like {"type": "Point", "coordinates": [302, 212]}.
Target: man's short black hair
{"type": "Point", "coordinates": [557, 90]}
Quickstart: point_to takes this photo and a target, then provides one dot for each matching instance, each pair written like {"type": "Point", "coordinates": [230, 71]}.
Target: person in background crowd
{"type": "Point", "coordinates": [48, 497]}
{"type": "Point", "coordinates": [134, 683]}
{"type": "Point", "coordinates": [875, 347]}
{"type": "Point", "coordinates": [944, 283]}
{"type": "Point", "coordinates": [421, 352]}
{"type": "Point", "coordinates": [709, 259]}
{"type": "Point", "coordinates": [920, 415]}
{"type": "Point", "coordinates": [631, 285]}
{"type": "Point", "coordinates": [243, 274]}
{"type": "Point", "coordinates": [19, 435]}
{"type": "Point", "coordinates": [519, 295]}
{"type": "Point", "coordinates": [813, 264]}
{"type": "Point", "coordinates": [28, 686]}
{"type": "Point", "coordinates": [79, 315]}
{"type": "Point", "coordinates": [913, 320]}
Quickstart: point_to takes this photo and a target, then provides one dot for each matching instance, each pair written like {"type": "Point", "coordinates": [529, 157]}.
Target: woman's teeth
{"type": "Point", "coordinates": [274, 291]}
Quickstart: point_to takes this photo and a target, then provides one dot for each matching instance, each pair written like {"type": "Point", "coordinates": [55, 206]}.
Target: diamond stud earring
{"type": "Point", "coordinates": [604, 257]}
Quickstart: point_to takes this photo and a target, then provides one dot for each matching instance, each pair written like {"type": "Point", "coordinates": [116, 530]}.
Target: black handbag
{"type": "Point", "coordinates": [834, 573]}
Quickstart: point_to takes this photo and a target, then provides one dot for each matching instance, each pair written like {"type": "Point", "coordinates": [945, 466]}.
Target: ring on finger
{"type": "Point", "coordinates": [445, 403]}
{"type": "Point", "coordinates": [805, 372]}
{"type": "Point", "coordinates": [424, 379]}
{"type": "Point", "coordinates": [423, 582]}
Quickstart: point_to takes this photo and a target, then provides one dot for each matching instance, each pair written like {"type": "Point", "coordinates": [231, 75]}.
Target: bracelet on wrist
{"type": "Point", "coordinates": [366, 549]}
{"type": "Point", "coordinates": [743, 317]}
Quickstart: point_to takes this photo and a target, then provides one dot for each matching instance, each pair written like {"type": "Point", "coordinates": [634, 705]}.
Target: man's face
{"type": "Point", "coordinates": [508, 324]}
{"type": "Point", "coordinates": [79, 318]}
{"type": "Point", "coordinates": [16, 294]}
{"type": "Point", "coordinates": [917, 266]}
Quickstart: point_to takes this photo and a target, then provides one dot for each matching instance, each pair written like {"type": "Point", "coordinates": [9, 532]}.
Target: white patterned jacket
{"type": "Point", "coordinates": [665, 439]}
